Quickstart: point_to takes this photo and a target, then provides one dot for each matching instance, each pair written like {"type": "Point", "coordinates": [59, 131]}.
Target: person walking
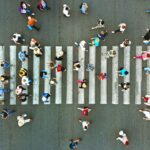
{"type": "Point", "coordinates": [85, 124]}
{"type": "Point", "coordinates": [42, 5]}
{"type": "Point", "coordinates": [84, 8]}
{"type": "Point", "coordinates": [60, 68]}
{"type": "Point", "coordinates": [4, 64]}
{"type": "Point", "coordinates": [76, 66]}
{"type": "Point", "coordinates": [146, 37]}
{"type": "Point", "coordinates": [17, 38]}
{"type": "Point", "coordinates": [125, 43]}
{"type": "Point", "coordinates": [146, 99]}
{"type": "Point", "coordinates": [26, 81]}
{"type": "Point", "coordinates": [90, 67]}
{"type": "Point", "coordinates": [145, 55]}
{"type": "Point", "coordinates": [5, 113]}
{"type": "Point", "coordinates": [123, 138]}
{"type": "Point", "coordinates": [4, 79]}
{"type": "Point", "coordinates": [122, 72]}
{"type": "Point", "coordinates": [44, 74]}
{"type": "Point", "coordinates": [146, 112]}
{"type": "Point", "coordinates": [53, 81]}
{"type": "Point", "coordinates": [147, 70]}
{"type": "Point", "coordinates": [59, 55]}
{"type": "Point", "coordinates": [32, 23]}
{"type": "Point", "coordinates": [45, 97]}
{"type": "Point", "coordinates": [110, 54]}
{"type": "Point", "coordinates": [85, 111]}
{"type": "Point", "coordinates": [19, 90]}
{"type": "Point", "coordinates": [22, 55]}
{"type": "Point", "coordinates": [102, 76]}
{"type": "Point", "coordinates": [122, 28]}
{"type": "Point", "coordinates": [66, 10]}
{"type": "Point", "coordinates": [22, 97]}
{"type": "Point", "coordinates": [74, 143]}
{"type": "Point", "coordinates": [82, 83]}
{"type": "Point", "coordinates": [22, 121]}
{"type": "Point", "coordinates": [23, 72]}
{"type": "Point", "coordinates": [81, 45]}
{"type": "Point", "coordinates": [100, 24]}
{"type": "Point", "coordinates": [37, 52]}
{"type": "Point", "coordinates": [95, 41]}
{"type": "Point", "coordinates": [33, 44]}
{"type": "Point", "coordinates": [124, 85]}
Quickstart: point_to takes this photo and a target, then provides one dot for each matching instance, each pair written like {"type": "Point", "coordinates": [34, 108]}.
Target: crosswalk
{"type": "Point", "coordinates": [97, 90]}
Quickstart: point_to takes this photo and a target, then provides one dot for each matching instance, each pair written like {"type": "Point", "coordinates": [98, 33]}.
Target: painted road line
{"type": "Point", "coordinates": [92, 53]}
{"type": "Point", "coordinates": [13, 75]}
{"type": "Point", "coordinates": [81, 75]}
{"type": "Point", "coordinates": [2, 71]}
{"type": "Point", "coordinates": [47, 87]}
{"type": "Point", "coordinates": [58, 91]}
{"type": "Point", "coordinates": [126, 94]}
{"type": "Point", "coordinates": [138, 76]}
{"type": "Point", "coordinates": [103, 83]}
{"type": "Point", "coordinates": [115, 77]}
{"type": "Point", "coordinates": [36, 79]}
{"type": "Point", "coordinates": [25, 65]}
{"type": "Point", "coordinates": [148, 77]}
{"type": "Point", "coordinates": [69, 75]}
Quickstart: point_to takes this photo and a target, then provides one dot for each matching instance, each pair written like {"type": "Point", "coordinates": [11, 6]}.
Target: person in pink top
{"type": "Point", "coordinates": [144, 56]}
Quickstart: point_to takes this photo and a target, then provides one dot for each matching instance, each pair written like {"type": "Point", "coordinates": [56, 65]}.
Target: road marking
{"type": "Point", "coordinates": [36, 79]}
{"type": "Point", "coordinates": [47, 87]}
{"type": "Point", "coordinates": [126, 94]}
{"type": "Point", "coordinates": [69, 75]}
{"type": "Point", "coordinates": [148, 76]}
{"type": "Point", "coordinates": [92, 52]}
{"type": "Point", "coordinates": [13, 75]}
{"type": "Point", "coordinates": [115, 77]}
{"type": "Point", "coordinates": [25, 65]}
{"type": "Point", "coordinates": [58, 92]}
{"type": "Point", "coordinates": [103, 92]}
{"type": "Point", "coordinates": [2, 71]}
{"type": "Point", "coordinates": [81, 75]}
{"type": "Point", "coordinates": [138, 76]}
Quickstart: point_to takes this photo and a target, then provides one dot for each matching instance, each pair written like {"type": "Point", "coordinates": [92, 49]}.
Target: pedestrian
{"type": "Point", "coordinates": [147, 70]}
{"type": "Point", "coordinates": [2, 91]}
{"type": "Point", "coordinates": [34, 43]}
{"type": "Point", "coordinates": [146, 37]}
{"type": "Point", "coordinates": [59, 55]}
{"type": "Point", "coordinates": [125, 43]}
{"type": "Point", "coordinates": [53, 81]}
{"type": "Point", "coordinates": [5, 113]}
{"type": "Point", "coordinates": [122, 28]}
{"type": "Point", "coordinates": [4, 79]}
{"type": "Point", "coordinates": [32, 23]}
{"type": "Point", "coordinates": [102, 35]}
{"type": "Point", "coordinates": [85, 111]}
{"type": "Point", "coordinates": [90, 67]}
{"type": "Point", "coordinates": [81, 45]}
{"type": "Point", "coordinates": [17, 38]}
{"type": "Point", "coordinates": [52, 65]}
{"type": "Point", "coordinates": [22, 121]}
{"type": "Point", "coordinates": [146, 112]}
{"type": "Point", "coordinates": [4, 64]}
{"type": "Point", "coordinates": [60, 68]}
{"type": "Point", "coordinates": [100, 24]}
{"type": "Point", "coordinates": [101, 76]}
{"type": "Point", "coordinates": [44, 74]}
{"type": "Point", "coordinates": [110, 54]}
{"type": "Point", "coordinates": [22, 55]}
{"type": "Point", "coordinates": [144, 56]}
{"type": "Point", "coordinates": [82, 83]}
{"type": "Point", "coordinates": [146, 99]}
{"type": "Point", "coordinates": [23, 72]}
{"type": "Point", "coordinates": [26, 81]}
{"type": "Point", "coordinates": [124, 85]}
{"type": "Point", "coordinates": [122, 72]}
{"type": "Point", "coordinates": [42, 5]}
{"type": "Point", "coordinates": [37, 52]}
{"type": "Point", "coordinates": [76, 66]}
{"type": "Point", "coordinates": [123, 138]}
{"type": "Point", "coordinates": [19, 90]}
{"type": "Point", "coordinates": [85, 124]}
{"type": "Point", "coordinates": [45, 97]}
{"type": "Point", "coordinates": [22, 97]}
{"type": "Point", "coordinates": [24, 8]}
{"type": "Point", "coordinates": [66, 10]}
{"type": "Point", "coordinates": [74, 143]}
{"type": "Point", "coordinates": [84, 8]}
{"type": "Point", "coordinates": [95, 41]}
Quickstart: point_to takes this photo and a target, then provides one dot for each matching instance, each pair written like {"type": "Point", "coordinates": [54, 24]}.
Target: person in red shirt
{"type": "Point", "coordinates": [146, 99]}
{"type": "Point", "coordinates": [85, 110]}
{"type": "Point", "coordinates": [60, 68]}
{"type": "Point", "coordinates": [32, 22]}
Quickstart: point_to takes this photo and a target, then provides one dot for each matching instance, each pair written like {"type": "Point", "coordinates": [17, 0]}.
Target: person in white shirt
{"type": "Point", "coordinates": [85, 124]}
{"type": "Point", "coordinates": [26, 81]}
{"type": "Point", "coordinates": [146, 112]}
{"type": "Point", "coordinates": [17, 38]}
{"type": "Point", "coordinates": [122, 28]}
{"type": "Point", "coordinates": [66, 10]}
{"type": "Point", "coordinates": [22, 121]}
{"type": "Point", "coordinates": [123, 138]}
{"type": "Point", "coordinates": [125, 43]}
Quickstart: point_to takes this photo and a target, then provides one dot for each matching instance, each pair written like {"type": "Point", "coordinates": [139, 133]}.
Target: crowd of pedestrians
{"type": "Point", "coordinates": [25, 9]}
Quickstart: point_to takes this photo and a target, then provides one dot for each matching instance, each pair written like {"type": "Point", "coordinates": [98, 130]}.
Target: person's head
{"type": "Point", "coordinates": [126, 72]}
{"type": "Point", "coordinates": [124, 26]}
{"type": "Point", "coordinates": [29, 17]}
{"type": "Point", "coordinates": [148, 55]}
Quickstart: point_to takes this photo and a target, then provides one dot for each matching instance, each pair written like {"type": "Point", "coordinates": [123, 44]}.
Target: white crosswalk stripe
{"type": "Point", "coordinates": [138, 76]}
{"type": "Point", "coordinates": [92, 79]}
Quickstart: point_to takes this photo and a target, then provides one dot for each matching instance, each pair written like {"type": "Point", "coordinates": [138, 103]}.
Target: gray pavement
{"type": "Point", "coordinates": [53, 124]}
